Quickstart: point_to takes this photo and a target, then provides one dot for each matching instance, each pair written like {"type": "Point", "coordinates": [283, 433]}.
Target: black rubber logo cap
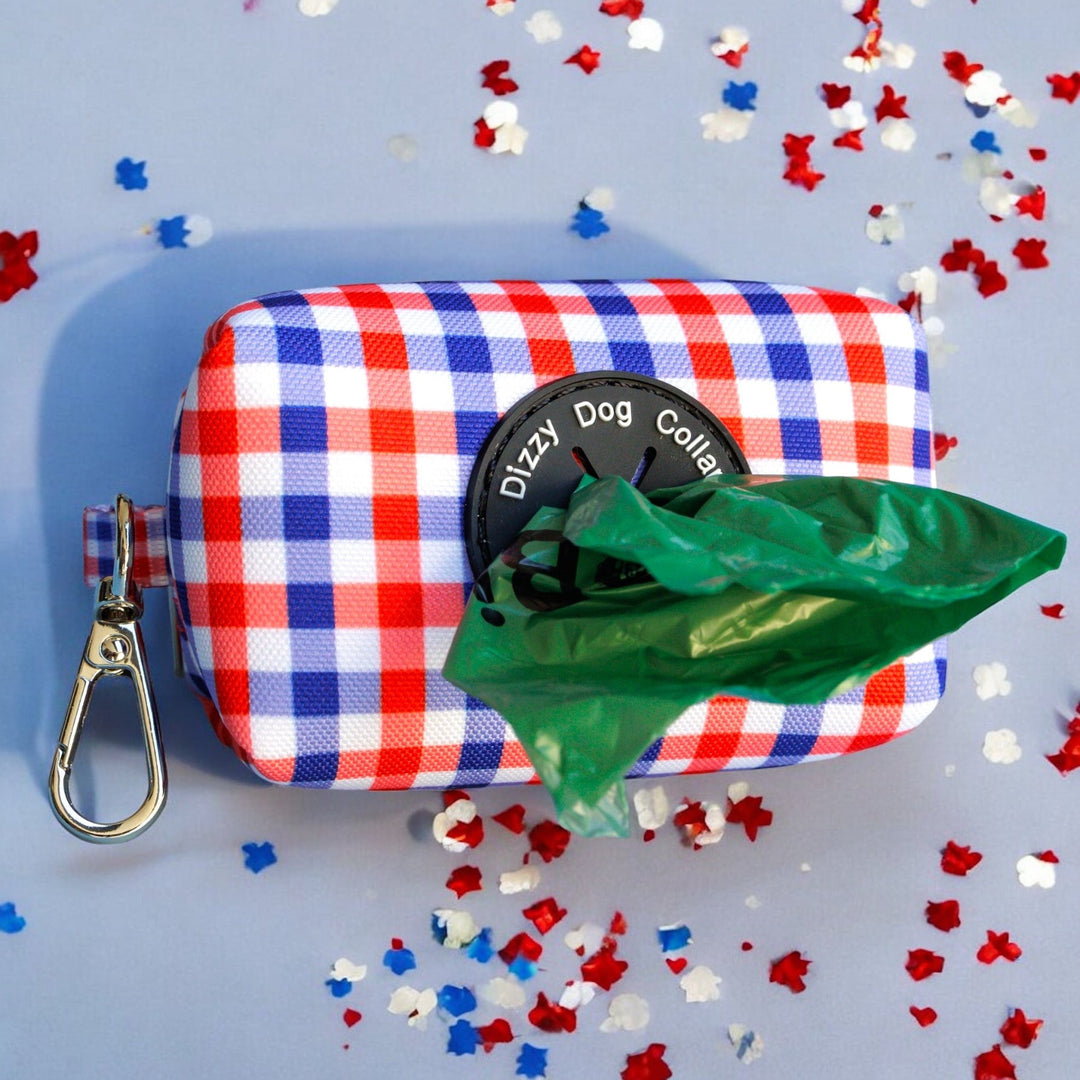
{"type": "Point", "coordinates": [599, 423]}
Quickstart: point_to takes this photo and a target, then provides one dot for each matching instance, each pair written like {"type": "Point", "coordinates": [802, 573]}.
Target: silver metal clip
{"type": "Point", "coordinates": [114, 647]}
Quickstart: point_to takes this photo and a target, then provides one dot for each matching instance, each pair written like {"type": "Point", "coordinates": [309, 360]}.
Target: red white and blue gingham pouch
{"type": "Point", "coordinates": [313, 536]}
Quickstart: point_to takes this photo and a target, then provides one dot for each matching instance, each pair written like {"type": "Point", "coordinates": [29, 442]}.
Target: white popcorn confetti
{"type": "Point", "coordinates": [503, 993]}
{"type": "Point", "coordinates": [922, 282]}
{"type": "Point", "coordinates": [461, 928]}
{"type": "Point", "coordinates": [1032, 871]}
{"type": "Point", "coordinates": [950, 771]}
{"type": "Point", "coordinates": [346, 969]}
{"type": "Point", "coordinates": [749, 1046]}
{"type": "Point", "coordinates": [586, 939]}
{"type": "Point", "coordinates": [985, 88]}
{"type": "Point", "coordinates": [600, 198]}
{"type": "Point", "coordinates": [991, 681]}
{"type": "Point", "coordinates": [1017, 113]}
{"type": "Point", "coordinates": [413, 1003]}
{"type": "Point", "coordinates": [738, 791]}
{"type": "Point", "coordinates": [753, 903]}
{"type": "Point", "coordinates": [851, 116]}
{"type": "Point", "coordinates": [652, 807]}
{"type": "Point", "coordinates": [515, 881]}
{"type": "Point", "coordinates": [646, 33]}
{"type": "Point", "coordinates": [462, 811]}
{"type": "Point", "coordinates": [500, 112]}
{"type": "Point", "coordinates": [501, 7]}
{"type": "Point", "coordinates": [898, 56]}
{"type": "Point", "coordinates": [887, 226]}
{"type": "Point", "coordinates": [897, 134]}
{"type": "Point", "coordinates": [730, 40]}
{"type": "Point", "coordinates": [509, 138]}
{"type": "Point", "coordinates": [403, 147]}
{"type": "Point", "coordinates": [314, 8]}
{"type": "Point", "coordinates": [700, 984]}
{"type": "Point", "coordinates": [577, 993]}
{"type": "Point", "coordinates": [626, 1012]}
{"type": "Point", "coordinates": [1001, 748]}
{"type": "Point", "coordinates": [805, 867]}
{"type": "Point", "coordinates": [544, 27]}
{"type": "Point", "coordinates": [980, 164]}
{"type": "Point", "coordinates": [995, 197]}
{"type": "Point", "coordinates": [726, 124]}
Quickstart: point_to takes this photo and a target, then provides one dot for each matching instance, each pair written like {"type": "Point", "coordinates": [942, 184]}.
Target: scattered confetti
{"type": "Point", "coordinates": [699, 984]}
{"type": "Point", "coordinates": [463, 1038]}
{"type": "Point", "coordinates": [314, 8]}
{"type": "Point", "coordinates": [897, 135]}
{"type": "Point", "coordinates": [922, 963]}
{"type": "Point", "coordinates": [577, 992]}
{"type": "Point", "coordinates": [994, 1065]}
{"type": "Point", "coordinates": [453, 929]}
{"type": "Point", "coordinates": [544, 26]}
{"type": "Point", "coordinates": [943, 914]}
{"type": "Point", "coordinates": [550, 1017]}
{"type": "Point", "coordinates": [701, 822]}
{"type": "Point", "coordinates": [603, 968]}
{"type": "Point", "coordinates": [1068, 757]}
{"type": "Point", "coordinates": [498, 1031]}
{"type": "Point", "coordinates": [998, 946]}
{"type": "Point", "coordinates": [731, 45]}
{"type": "Point", "coordinates": [399, 959]}
{"type": "Point", "coordinates": [1029, 253]}
{"type": "Point", "coordinates": [1032, 202]}
{"type": "Point", "coordinates": [500, 7]}
{"type": "Point", "coordinates": [498, 130]}
{"type": "Point", "coordinates": [1053, 611]}
{"type": "Point", "coordinates": [1018, 1030]}
{"type": "Point", "coordinates": [922, 282]}
{"type": "Point", "coordinates": [456, 1000]}
{"type": "Point", "coordinates": [749, 1046]}
{"type": "Point", "coordinates": [351, 1017]}
{"type": "Point", "coordinates": [924, 1017]}
{"type": "Point", "coordinates": [626, 1012]}
{"type": "Point", "coordinates": [521, 946]}
{"type": "Point", "coordinates": [10, 921]}
{"type": "Point", "coordinates": [884, 224]}
{"type": "Point", "coordinates": [458, 827]}
{"type": "Point", "coordinates": [1001, 748]}
{"type": "Point", "coordinates": [531, 1061]}
{"type": "Point", "coordinates": [943, 444]}
{"type": "Point", "coordinates": [748, 813]}
{"type": "Point", "coordinates": [645, 34]}
{"type": "Point", "coordinates": [674, 937]}
{"type": "Point", "coordinates": [549, 840]}
{"type": "Point", "coordinates": [587, 59]}
{"type": "Point", "coordinates": [345, 969]}
{"type": "Point", "coordinates": [740, 96]}
{"type": "Point", "coordinates": [648, 1065]}
{"type": "Point", "coordinates": [496, 80]}
{"type": "Point", "coordinates": [503, 993]}
{"type": "Point", "coordinates": [587, 938]}
{"type": "Point", "coordinates": [131, 175]}
{"type": "Point", "coordinates": [890, 105]}
{"type": "Point", "coordinates": [512, 818]}
{"type": "Point", "coordinates": [990, 679]}
{"type": "Point", "coordinates": [192, 230]}
{"type": "Point", "coordinates": [403, 147]}
{"type": "Point", "coordinates": [257, 857]}
{"type": "Point", "coordinates": [465, 879]}
{"type": "Point", "coordinates": [1036, 153]}
{"type": "Point", "coordinates": [799, 169]}
{"type": "Point", "coordinates": [959, 860]}
{"type": "Point", "coordinates": [415, 1004]}
{"type": "Point", "coordinates": [544, 914]}
{"type": "Point", "coordinates": [480, 948]}
{"type": "Point", "coordinates": [339, 988]}
{"type": "Point", "coordinates": [1065, 87]}
{"type": "Point", "coordinates": [632, 9]}
{"type": "Point", "coordinates": [515, 881]}
{"type": "Point", "coordinates": [985, 142]}
{"type": "Point", "coordinates": [15, 255]}
{"type": "Point", "coordinates": [1032, 870]}
{"type": "Point", "coordinates": [589, 223]}
{"type": "Point", "coordinates": [789, 971]}
{"type": "Point", "coordinates": [652, 808]}
{"type": "Point", "coordinates": [726, 125]}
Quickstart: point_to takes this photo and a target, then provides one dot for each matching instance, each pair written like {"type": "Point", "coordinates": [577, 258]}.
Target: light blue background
{"type": "Point", "coordinates": [166, 957]}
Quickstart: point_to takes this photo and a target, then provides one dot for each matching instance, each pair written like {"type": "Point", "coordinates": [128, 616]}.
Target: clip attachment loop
{"type": "Point", "coordinates": [114, 647]}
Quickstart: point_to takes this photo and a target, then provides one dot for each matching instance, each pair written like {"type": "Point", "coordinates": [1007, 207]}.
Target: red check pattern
{"type": "Point", "coordinates": [318, 477]}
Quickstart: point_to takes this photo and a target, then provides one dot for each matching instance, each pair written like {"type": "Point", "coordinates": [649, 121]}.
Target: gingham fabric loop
{"type": "Point", "coordinates": [318, 477]}
{"type": "Point", "coordinates": [99, 545]}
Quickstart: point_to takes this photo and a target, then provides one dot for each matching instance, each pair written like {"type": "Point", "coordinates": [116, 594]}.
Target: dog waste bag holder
{"type": "Point", "coordinates": [594, 423]}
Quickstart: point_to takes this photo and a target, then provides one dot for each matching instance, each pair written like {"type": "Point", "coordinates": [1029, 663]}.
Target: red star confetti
{"type": "Point", "coordinates": [850, 140]}
{"type": "Point", "coordinates": [544, 914]}
{"type": "Point", "coordinates": [469, 833]}
{"type": "Point", "coordinates": [1053, 611]}
{"type": "Point", "coordinates": [922, 963]}
{"type": "Point", "coordinates": [702, 823]}
{"type": "Point", "coordinates": [512, 818]}
{"type": "Point", "coordinates": [1030, 253]}
{"type": "Point", "coordinates": [789, 971]}
{"type": "Point", "coordinates": [484, 136]}
{"type": "Point", "coordinates": [648, 1065]}
{"type": "Point", "coordinates": [1066, 87]}
{"type": "Point", "coordinates": [547, 1016]}
{"type": "Point", "coordinates": [618, 922]}
{"type": "Point", "coordinates": [956, 64]}
{"type": "Point", "coordinates": [498, 1031]}
{"type": "Point", "coordinates": [1033, 203]}
{"type": "Point", "coordinates": [990, 279]}
{"type": "Point", "coordinates": [869, 12]}
{"type": "Point", "coordinates": [998, 945]}
{"type": "Point", "coordinates": [923, 1017]}
{"type": "Point", "coordinates": [521, 945]}
{"type": "Point", "coordinates": [458, 826]}
{"type": "Point", "coordinates": [548, 840]}
{"type": "Point", "coordinates": [603, 968]}
{"type": "Point", "coordinates": [834, 95]}
{"type": "Point", "coordinates": [943, 444]}
{"type": "Point", "coordinates": [351, 1017]}
{"type": "Point", "coordinates": [15, 255]}
{"type": "Point", "coordinates": [943, 914]}
{"type": "Point", "coordinates": [587, 59]}
{"type": "Point", "coordinates": [799, 169]}
{"type": "Point", "coordinates": [496, 80]}
{"type": "Point", "coordinates": [994, 1065]}
{"type": "Point", "coordinates": [1018, 1030]}
{"type": "Point", "coordinates": [963, 256]}
{"type": "Point", "coordinates": [1068, 757]}
{"type": "Point", "coordinates": [959, 860]}
{"type": "Point", "coordinates": [890, 105]}
{"type": "Point", "coordinates": [465, 879]}
{"type": "Point", "coordinates": [632, 9]}
{"type": "Point", "coordinates": [748, 813]}
{"type": "Point", "coordinates": [731, 46]}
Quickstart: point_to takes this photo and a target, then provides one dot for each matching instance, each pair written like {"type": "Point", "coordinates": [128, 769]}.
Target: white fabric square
{"type": "Point", "coordinates": [444, 727]}
{"type": "Point", "coordinates": [432, 391]}
{"type": "Point", "coordinates": [895, 329]}
{"type": "Point", "coordinates": [834, 400]}
{"type": "Point", "coordinates": [357, 649]}
{"type": "Point", "coordinates": [260, 474]}
{"type": "Point", "coordinates": [511, 387]}
{"type": "Point", "coordinates": [583, 328]}
{"type": "Point", "coordinates": [763, 718]}
{"type": "Point", "coordinates": [437, 474]}
{"type": "Point", "coordinates": [349, 472]}
{"type": "Point", "coordinates": [345, 386]}
{"type": "Point", "coordinates": [423, 322]}
{"type": "Point", "coordinates": [757, 398]}
{"type": "Point", "coordinates": [741, 329]}
{"type": "Point", "coordinates": [335, 317]}
{"type": "Point", "coordinates": [838, 719]}
{"type": "Point", "coordinates": [360, 731]}
{"type": "Point", "coordinates": [264, 562]}
{"type": "Point", "coordinates": [900, 406]}
{"type": "Point", "coordinates": [269, 649]}
{"type": "Point", "coordinates": [819, 329]}
{"type": "Point", "coordinates": [661, 329]}
{"type": "Point", "coordinates": [257, 386]}
{"type": "Point", "coordinates": [193, 553]}
{"type": "Point", "coordinates": [436, 645]}
{"type": "Point", "coordinates": [190, 479]}
{"type": "Point", "coordinates": [352, 562]}
{"type": "Point", "coordinates": [273, 737]}
{"type": "Point", "coordinates": [440, 561]}
{"type": "Point", "coordinates": [502, 324]}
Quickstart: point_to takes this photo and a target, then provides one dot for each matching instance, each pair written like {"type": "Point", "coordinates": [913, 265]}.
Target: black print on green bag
{"type": "Point", "coordinates": [590, 424]}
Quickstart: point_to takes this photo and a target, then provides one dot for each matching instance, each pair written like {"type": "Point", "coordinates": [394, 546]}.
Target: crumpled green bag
{"type": "Point", "coordinates": [605, 621]}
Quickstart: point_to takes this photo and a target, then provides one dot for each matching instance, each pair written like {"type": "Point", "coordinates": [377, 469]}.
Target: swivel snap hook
{"type": "Point", "coordinates": [114, 647]}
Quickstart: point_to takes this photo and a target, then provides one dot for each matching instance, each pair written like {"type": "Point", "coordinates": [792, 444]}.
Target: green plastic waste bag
{"type": "Point", "coordinates": [608, 619]}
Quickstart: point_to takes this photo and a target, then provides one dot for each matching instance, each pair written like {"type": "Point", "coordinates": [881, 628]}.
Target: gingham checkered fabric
{"type": "Point", "coordinates": [149, 568]}
{"type": "Point", "coordinates": [318, 478]}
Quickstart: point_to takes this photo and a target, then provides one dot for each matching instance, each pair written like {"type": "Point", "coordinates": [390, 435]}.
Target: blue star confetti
{"type": "Point", "coordinates": [531, 1061]}
{"type": "Point", "coordinates": [172, 232]}
{"type": "Point", "coordinates": [130, 175]}
{"type": "Point", "coordinates": [589, 223]}
{"type": "Point", "coordinates": [463, 1039]}
{"type": "Point", "coordinates": [673, 937]}
{"type": "Point", "coordinates": [523, 968]}
{"type": "Point", "coordinates": [257, 857]}
{"type": "Point", "coordinates": [339, 987]}
{"type": "Point", "coordinates": [740, 96]}
{"type": "Point", "coordinates": [457, 1000]}
{"type": "Point", "coordinates": [984, 142]}
{"type": "Point", "coordinates": [10, 922]}
{"type": "Point", "coordinates": [481, 949]}
{"type": "Point", "coordinates": [399, 959]}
